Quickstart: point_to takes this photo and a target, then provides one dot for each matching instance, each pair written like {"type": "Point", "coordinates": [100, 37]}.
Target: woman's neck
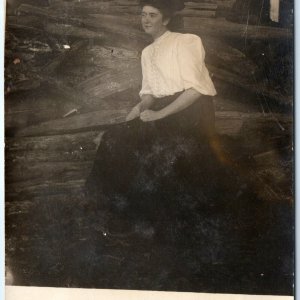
{"type": "Point", "coordinates": [158, 35]}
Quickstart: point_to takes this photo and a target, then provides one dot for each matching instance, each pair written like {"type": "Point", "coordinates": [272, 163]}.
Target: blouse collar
{"type": "Point", "coordinates": [163, 36]}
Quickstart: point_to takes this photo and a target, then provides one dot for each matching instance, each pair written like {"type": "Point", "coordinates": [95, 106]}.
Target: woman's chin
{"type": "Point", "coordinates": [148, 30]}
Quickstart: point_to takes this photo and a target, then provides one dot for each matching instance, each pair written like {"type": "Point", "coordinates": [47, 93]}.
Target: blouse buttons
{"type": "Point", "coordinates": [154, 68]}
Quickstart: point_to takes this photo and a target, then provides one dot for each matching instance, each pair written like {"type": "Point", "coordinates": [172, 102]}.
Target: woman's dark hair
{"type": "Point", "coordinates": [168, 8]}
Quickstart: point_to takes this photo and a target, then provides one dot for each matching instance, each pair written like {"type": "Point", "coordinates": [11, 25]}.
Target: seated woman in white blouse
{"type": "Point", "coordinates": [173, 63]}
{"type": "Point", "coordinates": [162, 152]}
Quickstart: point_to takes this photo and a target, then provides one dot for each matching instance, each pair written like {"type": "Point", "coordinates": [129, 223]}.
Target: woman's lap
{"type": "Point", "coordinates": [159, 170]}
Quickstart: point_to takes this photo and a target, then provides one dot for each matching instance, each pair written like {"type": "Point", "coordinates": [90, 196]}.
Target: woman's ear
{"type": "Point", "coordinates": [166, 21]}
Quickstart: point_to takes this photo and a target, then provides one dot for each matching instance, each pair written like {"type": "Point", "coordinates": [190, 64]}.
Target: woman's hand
{"type": "Point", "coordinates": [150, 115]}
{"type": "Point", "coordinates": [135, 113]}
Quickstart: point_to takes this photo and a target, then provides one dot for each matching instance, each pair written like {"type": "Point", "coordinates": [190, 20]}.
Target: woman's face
{"type": "Point", "coordinates": [153, 22]}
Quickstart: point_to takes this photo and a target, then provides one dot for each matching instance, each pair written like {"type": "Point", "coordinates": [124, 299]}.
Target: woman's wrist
{"type": "Point", "coordinates": [146, 102]}
{"type": "Point", "coordinates": [138, 107]}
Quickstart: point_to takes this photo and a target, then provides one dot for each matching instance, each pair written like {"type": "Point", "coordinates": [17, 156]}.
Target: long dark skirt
{"type": "Point", "coordinates": [164, 171]}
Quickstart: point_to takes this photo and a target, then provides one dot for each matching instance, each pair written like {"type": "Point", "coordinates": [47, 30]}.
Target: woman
{"type": "Point", "coordinates": [154, 167]}
{"type": "Point", "coordinates": [173, 63]}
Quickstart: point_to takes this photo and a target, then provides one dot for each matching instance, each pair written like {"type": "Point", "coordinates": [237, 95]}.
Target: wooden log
{"type": "Point", "coordinates": [201, 5]}
{"type": "Point", "coordinates": [225, 4]}
{"type": "Point", "coordinates": [125, 2]}
{"type": "Point", "coordinates": [23, 85]}
{"type": "Point", "coordinates": [33, 192]}
{"type": "Point", "coordinates": [187, 12]}
{"type": "Point", "coordinates": [114, 58]}
{"type": "Point", "coordinates": [112, 25]}
{"type": "Point", "coordinates": [124, 20]}
{"type": "Point", "coordinates": [222, 28]}
{"type": "Point", "coordinates": [73, 31]}
{"type": "Point", "coordinates": [234, 123]}
{"type": "Point", "coordinates": [110, 82]}
{"type": "Point", "coordinates": [265, 135]}
{"type": "Point", "coordinates": [110, 52]}
{"type": "Point", "coordinates": [43, 171]}
{"type": "Point", "coordinates": [53, 143]}
{"type": "Point", "coordinates": [226, 122]}
{"type": "Point", "coordinates": [254, 87]}
{"type": "Point", "coordinates": [76, 155]}
{"type": "Point", "coordinates": [31, 21]}
{"type": "Point", "coordinates": [82, 122]}
{"type": "Point", "coordinates": [35, 106]}
{"type": "Point", "coordinates": [229, 102]}
{"type": "Point", "coordinates": [26, 9]}
{"type": "Point", "coordinates": [18, 207]}
{"type": "Point", "coordinates": [88, 7]}
{"type": "Point", "coordinates": [27, 29]}
{"type": "Point", "coordinates": [272, 158]}
{"type": "Point", "coordinates": [206, 1]}
{"type": "Point", "coordinates": [266, 190]}
{"type": "Point", "coordinates": [81, 9]}
{"type": "Point", "coordinates": [221, 55]}
{"type": "Point", "coordinates": [55, 29]}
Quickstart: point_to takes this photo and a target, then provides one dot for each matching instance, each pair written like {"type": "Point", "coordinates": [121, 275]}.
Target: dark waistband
{"type": "Point", "coordinates": [160, 103]}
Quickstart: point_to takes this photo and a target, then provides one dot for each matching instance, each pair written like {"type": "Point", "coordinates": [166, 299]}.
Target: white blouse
{"type": "Point", "coordinates": [175, 62]}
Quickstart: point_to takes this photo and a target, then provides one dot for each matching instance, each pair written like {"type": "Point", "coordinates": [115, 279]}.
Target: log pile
{"type": "Point", "coordinates": [73, 69]}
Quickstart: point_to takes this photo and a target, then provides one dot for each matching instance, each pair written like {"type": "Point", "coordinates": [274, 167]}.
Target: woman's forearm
{"type": "Point", "coordinates": [187, 98]}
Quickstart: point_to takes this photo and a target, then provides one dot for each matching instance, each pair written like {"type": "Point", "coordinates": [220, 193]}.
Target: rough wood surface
{"type": "Point", "coordinates": [65, 142]}
{"type": "Point", "coordinates": [44, 190]}
{"type": "Point", "coordinates": [70, 30]}
{"type": "Point", "coordinates": [201, 5]}
{"type": "Point", "coordinates": [253, 86]}
{"type": "Point", "coordinates": [110, 82]}
{"type": "Point", "coordinates": [43, 171]}
{"type": "Point", "coordinates": [221, 55]}
{"type": "Point", "coordinates": [188, 12]}
{"type": "Point", "coordinates": [81, 122]}
{"type": "Point", "coordinates": [121, 32]}
{"type": "Point", "coordinates": [224, 29]}
{"type": "Point", "coordinates": [226, 122]}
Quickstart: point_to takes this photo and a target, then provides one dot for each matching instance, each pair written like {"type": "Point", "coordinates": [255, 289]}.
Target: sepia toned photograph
{"type": "Point", "coordinates": [149, 145]}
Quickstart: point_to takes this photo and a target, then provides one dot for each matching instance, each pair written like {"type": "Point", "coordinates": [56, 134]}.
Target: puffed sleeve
{"type": "Point", "coordinates": [193, 72]}
{"type": "Point", "coordinates": [145, 82]}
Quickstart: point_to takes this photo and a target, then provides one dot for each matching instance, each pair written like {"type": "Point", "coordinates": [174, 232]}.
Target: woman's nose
{"type": "Point", "coordinates": [145, 19]}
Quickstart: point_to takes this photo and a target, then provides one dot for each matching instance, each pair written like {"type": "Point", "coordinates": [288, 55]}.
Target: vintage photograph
{"type": "Point", "coordinates": [149, 145]}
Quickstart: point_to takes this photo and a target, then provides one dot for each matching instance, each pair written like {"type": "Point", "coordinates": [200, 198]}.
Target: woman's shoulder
{"type": "Point", "coordinates": [176, 39]}
{"type": "Point", "coordinates": [146, 52]}
{"type": "Point", "coordinates": [188, 38]}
